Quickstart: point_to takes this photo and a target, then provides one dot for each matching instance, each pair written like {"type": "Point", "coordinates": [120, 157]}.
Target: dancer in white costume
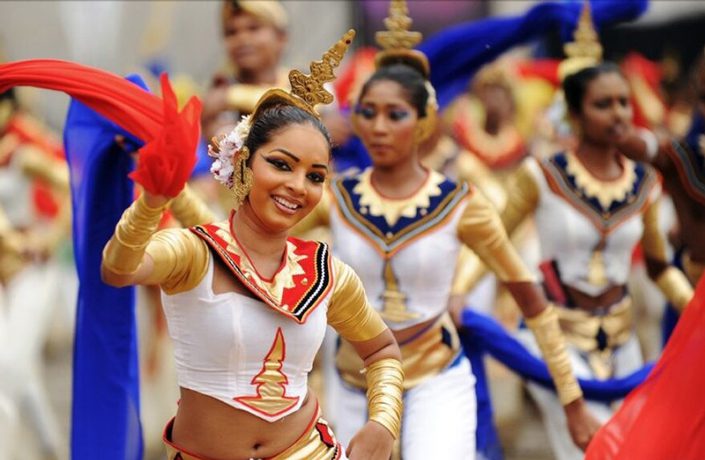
{"type": "Point", "coordinates": [401, 227]}
{"type": "Point", "coordinates": [247, 306]}
{"type": "Point", "coordinates": [30, 272]}
{"type": "Point", "coordinates": [592, 206]}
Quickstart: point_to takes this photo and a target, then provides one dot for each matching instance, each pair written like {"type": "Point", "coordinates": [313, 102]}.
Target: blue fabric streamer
{"type": "Point", "coordinates": [105, 413]}
{"type": "Point", "coordinates": [456, 53]}
{"type": "Point", "coordinates": [484, 332]}
{"type": "Point", "coordinates": [481, 334]}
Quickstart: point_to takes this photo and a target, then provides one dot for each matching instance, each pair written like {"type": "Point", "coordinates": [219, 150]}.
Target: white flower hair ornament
{"type": "Point", "coordinates": [225, 148]}
{"type": "Point", "coordinates": [230, 164]}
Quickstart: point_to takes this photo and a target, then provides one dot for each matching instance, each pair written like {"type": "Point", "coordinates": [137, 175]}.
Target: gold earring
{"type": "Point", "coordinates": [426, 125]}
{"type": "Point", "coordinates": [242, 177]}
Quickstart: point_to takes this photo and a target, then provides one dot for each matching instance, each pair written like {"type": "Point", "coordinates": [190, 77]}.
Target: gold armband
{"type": "Point", "coordinates": [675, 287]}
{"type": "Point", "coordinates": [385, 380]}
{"type": "Point", "coordinates": [190, 210]}
{"type": "Point", "coordinates": [551, 341]}
{"type": "Point", "coordinates": [123, 253]}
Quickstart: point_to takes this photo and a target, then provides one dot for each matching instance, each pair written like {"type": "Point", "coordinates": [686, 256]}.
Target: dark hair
{"type": "Point", "coordinates": [274, 119]}
{"type": "Point", "coordinates": [575, 85]}
{"type": "Point", "coordinates": [410, 79]}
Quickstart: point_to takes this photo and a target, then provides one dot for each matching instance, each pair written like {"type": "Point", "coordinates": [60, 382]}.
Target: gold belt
{"type": "Point", "coordinates": [422, 356]}
{"type": "Point", "coordinates": [598, 335]}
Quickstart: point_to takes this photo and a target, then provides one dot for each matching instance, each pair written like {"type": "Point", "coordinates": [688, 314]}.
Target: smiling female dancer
{"type": "Point", "coordinates": [247, 305]}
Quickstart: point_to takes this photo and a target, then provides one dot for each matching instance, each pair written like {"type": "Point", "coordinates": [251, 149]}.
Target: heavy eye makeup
{"type": "Point", "coordinates": [394, 114]}
{"type": "Point", "coordinates": [283, 165]}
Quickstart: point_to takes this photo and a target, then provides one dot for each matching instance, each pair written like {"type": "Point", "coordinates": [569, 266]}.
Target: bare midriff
{"type": "Point", "coordinates": [593, 304]}
{"type": "Point", "coordinates": [403, 335]}
{"type": "Point", "coordinates": [210, 428]}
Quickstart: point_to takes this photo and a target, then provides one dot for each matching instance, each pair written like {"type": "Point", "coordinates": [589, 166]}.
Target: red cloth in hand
{"type": "Point", "coordinates": [664, 417]}
{"type": "Point", "coordinates": [166, 162]}
{"type": "Point", "coordinates": [171, 137]}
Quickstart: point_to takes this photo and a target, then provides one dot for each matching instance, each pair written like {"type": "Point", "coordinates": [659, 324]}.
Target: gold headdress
{"type": "Point", "coordinates": [585, 49]}
{"type": "Point", "coordinates": [398, 41]}
{"type": "Point", "coordinates": [230, 153]}
{"type": "Point", "coordinates": [307, 90]}
{"type": "Point", "coordinates": [397, 44]}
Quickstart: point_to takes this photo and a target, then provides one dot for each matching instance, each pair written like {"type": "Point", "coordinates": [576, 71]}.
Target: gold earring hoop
{"type": "Point", "coordinates": [242, 177]}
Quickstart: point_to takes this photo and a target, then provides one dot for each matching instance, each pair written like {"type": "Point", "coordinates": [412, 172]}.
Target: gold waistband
{"type": "Point", "coordinates": [598, 335]}
{"type": "Point", "coordinates": [422, 357]}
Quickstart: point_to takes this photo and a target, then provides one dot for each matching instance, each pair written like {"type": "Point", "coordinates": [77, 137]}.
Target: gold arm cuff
{"type": "Point", "coordinates": [180, 260]}
{"type": "Point", "coordinates": [468, 272]}
{"type": "Point", "coordinates": [552, 343]}
{"type": "Point", "coordinates": [349, 312]}
{"type": "Point", "coordinates": [385, 380]}
{"type": "Point", "coordinates": [244, 98]}
{"type": "Point", "coordinates": [675, 287]}
{"type": "Point", "coordinates": [481, 229]}
{"type": "Point", "coordinates": [190, 209]}
{"type": "Point", "coordinates": [123, 253]}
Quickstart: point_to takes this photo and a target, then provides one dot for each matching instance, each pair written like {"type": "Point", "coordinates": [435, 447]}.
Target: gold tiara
{"type": "Point", "coordinates": [307, 91]}
{"type": "Point", "coordinates": [585, 50]}
{"type": "Point", "coordinates": [398, 41]}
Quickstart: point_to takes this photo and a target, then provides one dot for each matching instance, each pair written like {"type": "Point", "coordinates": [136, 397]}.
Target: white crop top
{"type": "Point", "coordinates": [241, 352]}
{"type": "Point", "coordinates": [589, 227]}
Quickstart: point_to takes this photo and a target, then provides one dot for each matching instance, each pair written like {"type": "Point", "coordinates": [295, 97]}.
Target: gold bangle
{"type": "Point", "coordinates": [675, 286]}
{"type": "Point", "coordinates": [385, 379]}
{"type": "Point", "coordinates": [190, 210]}
{"type": "Point", "coordinates": [123, 253]}
{"type": "Point", "coordinates": [551, 341]}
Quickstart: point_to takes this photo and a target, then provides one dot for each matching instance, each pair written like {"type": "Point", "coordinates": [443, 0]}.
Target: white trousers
{"type": "Point", "coordinates": [30, 301]}
{"type": "Point", "coordinates": [439, 416]}
{"type": "Point", "coordinates": [626, 358]}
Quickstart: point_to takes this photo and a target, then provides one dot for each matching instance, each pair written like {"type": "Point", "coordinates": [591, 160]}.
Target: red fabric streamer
{"type": "Point", "coordinates": [664, 418]}
{"type": "Point", "coordinates": [168, 158]}
{"type": "Point", "coordinates": [166, 162]}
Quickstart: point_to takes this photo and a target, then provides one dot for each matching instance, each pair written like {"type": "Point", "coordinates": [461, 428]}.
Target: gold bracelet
{"type": "Point", "coordinates": [385, 379]}
{"type": "Point", "coordinates": [123, 253]}
{"type": "Point", "coordinates": [675, 286]}
{"type": "Point", "coordinates": [551, 341]}
{"type": "Point", "coordinates": [190, 210]}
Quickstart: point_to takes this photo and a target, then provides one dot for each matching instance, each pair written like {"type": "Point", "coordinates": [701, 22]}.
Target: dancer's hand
{"type": "Point", "coordinates": [373, 442]}
{"type": "Point", "coordinates": [581, 423]}
{"type": "Point", "coordinates": [155, 201]}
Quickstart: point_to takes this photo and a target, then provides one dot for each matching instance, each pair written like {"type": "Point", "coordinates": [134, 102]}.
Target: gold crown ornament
{"type": "Point", "coordinates": [230, 152]}
{"type": "Point", "coordinates": [307, 91]}
{"type": "Point", "coordinates": [585, 50]}
{"type": "Point", "coordinates": [397, 42]}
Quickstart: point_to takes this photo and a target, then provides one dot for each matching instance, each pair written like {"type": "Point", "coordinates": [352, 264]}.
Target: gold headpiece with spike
{"type": "Point", "coordinates": [585, 49]}
{"type": "Point", "coordinates": [307, 90]}
{"type": "Point", "coordinates": [397, 41]}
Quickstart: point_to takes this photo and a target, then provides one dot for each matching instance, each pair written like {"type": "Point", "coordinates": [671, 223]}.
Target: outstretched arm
{"type": "Point", "coordinates": [481, 229]}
